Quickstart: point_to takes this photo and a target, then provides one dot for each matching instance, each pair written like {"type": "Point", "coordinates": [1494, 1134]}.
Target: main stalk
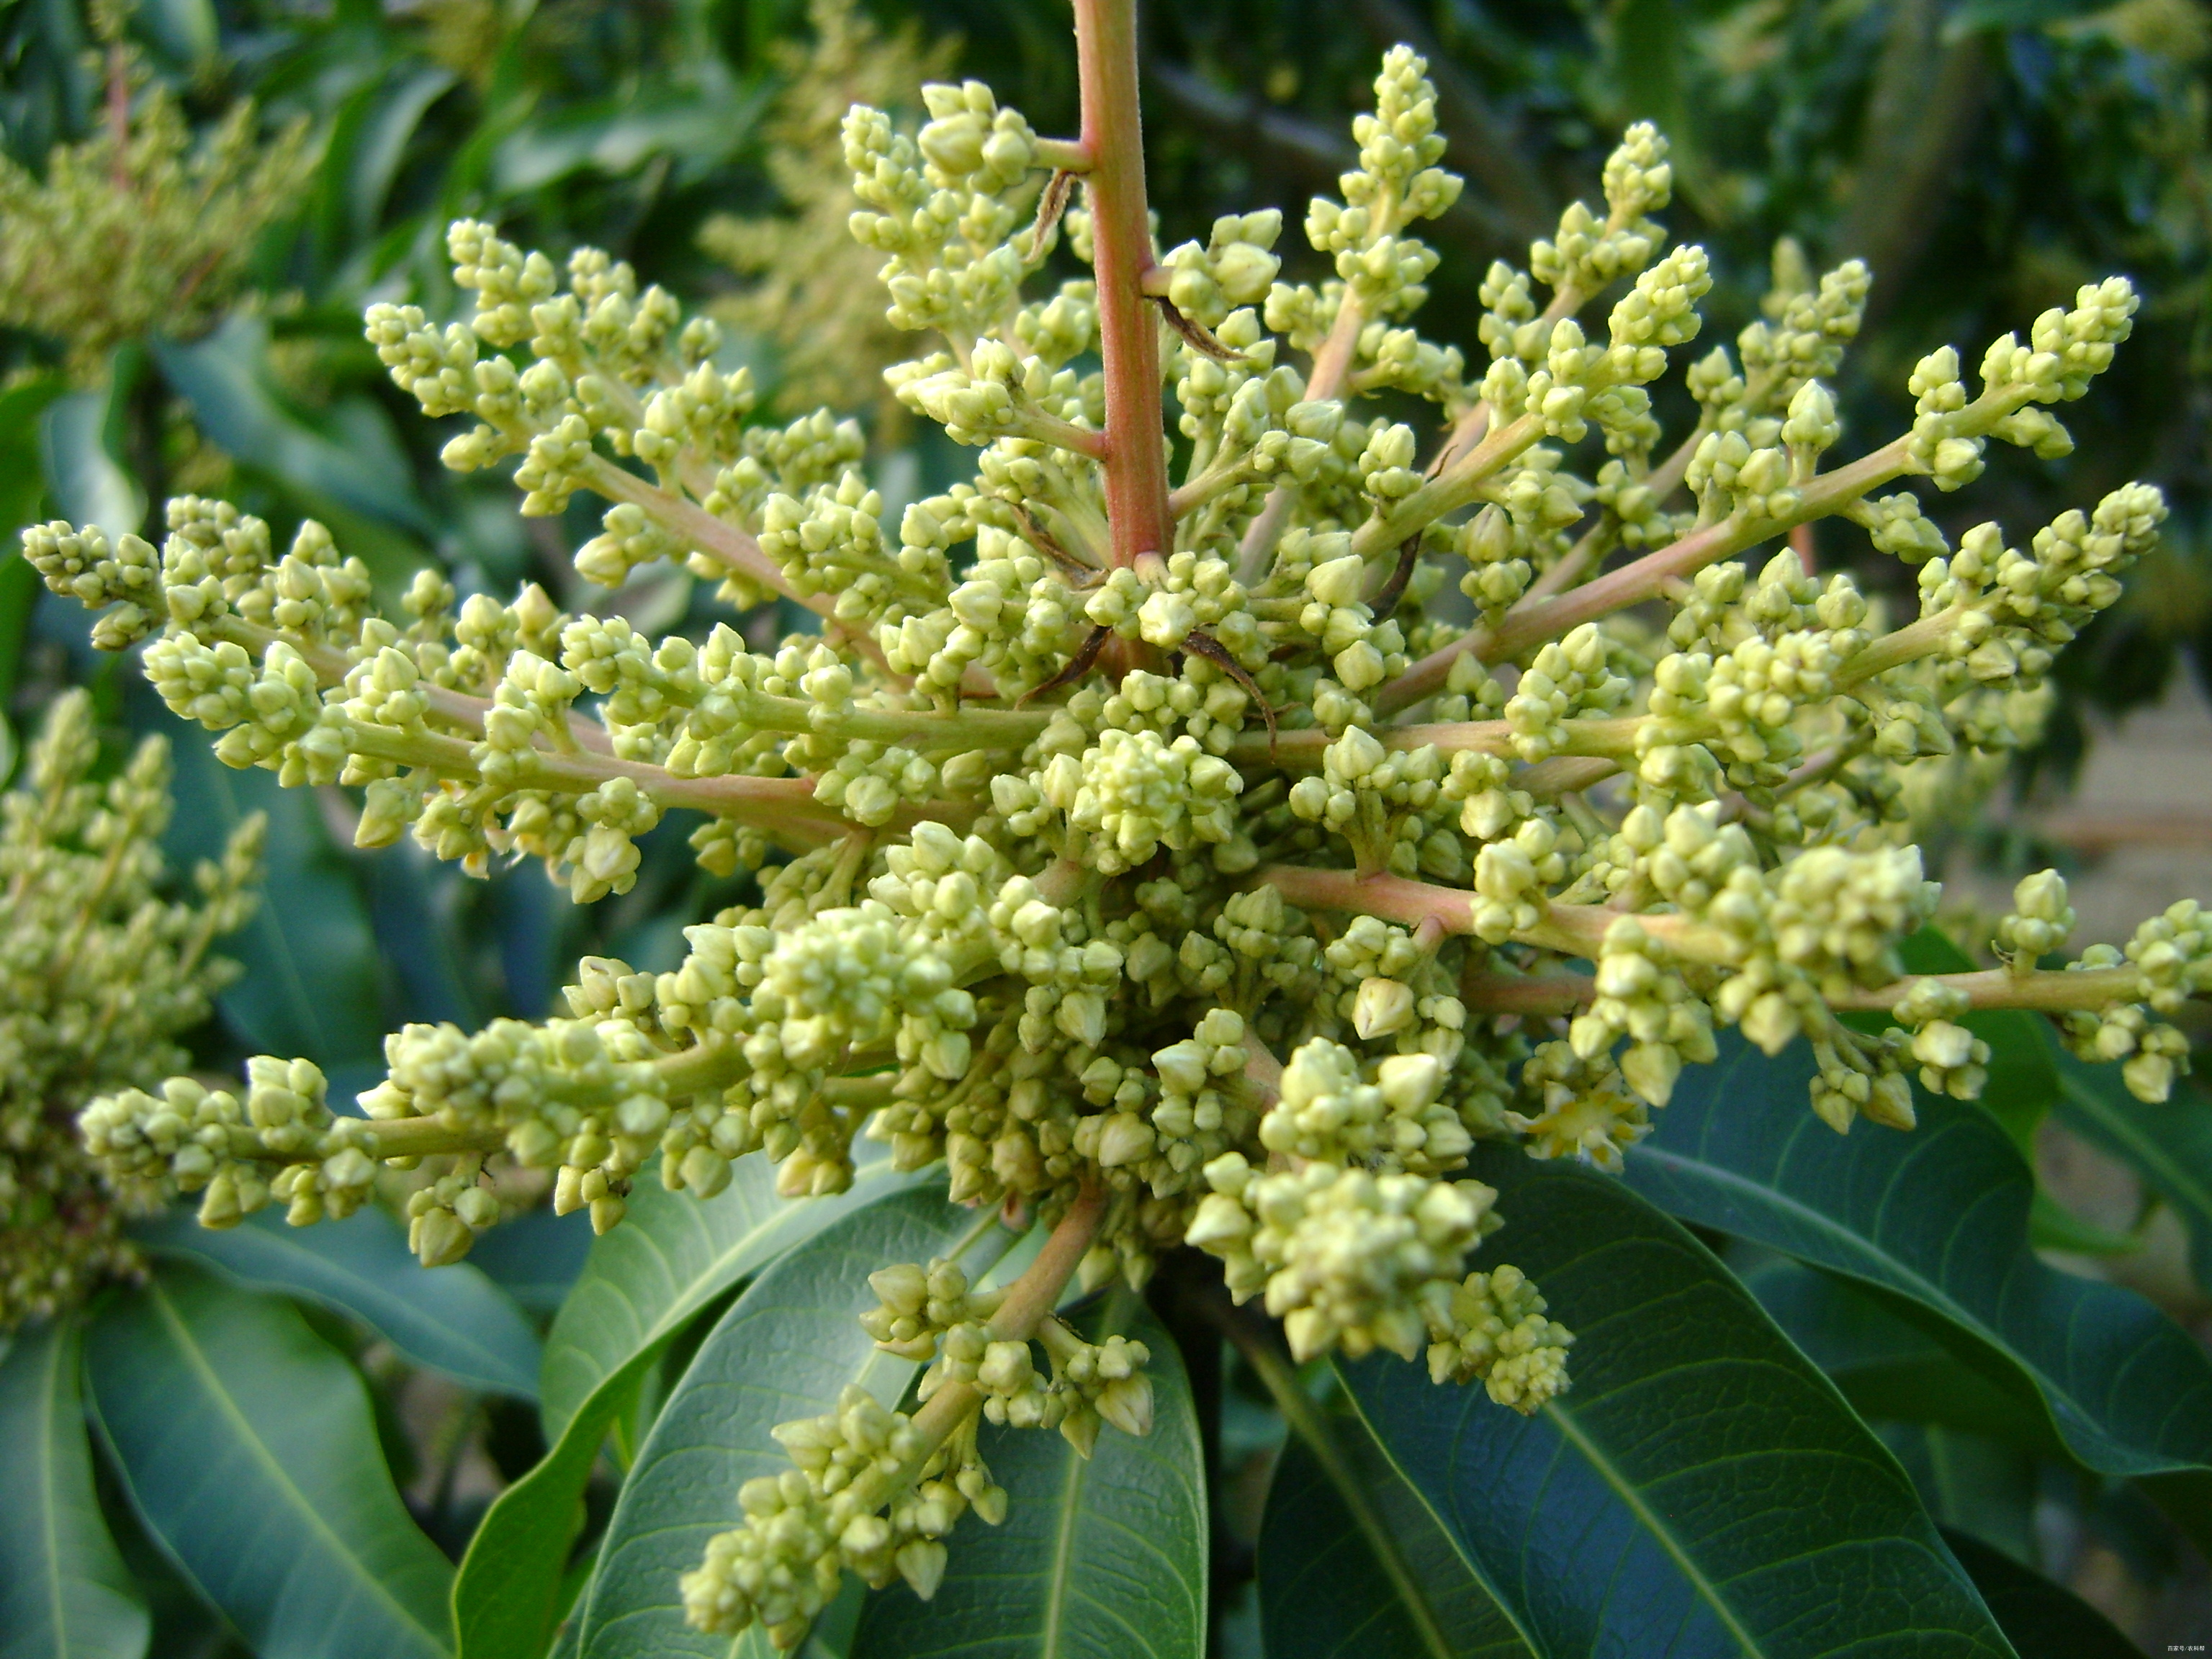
{"type": "Point", "coordinates": [1121, 253]}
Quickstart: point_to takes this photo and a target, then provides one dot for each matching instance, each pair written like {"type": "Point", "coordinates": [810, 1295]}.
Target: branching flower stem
{"type": "Point", "coordinates": [1135, 463]}
{"type": "Point", "coordinates": [1579, 930]}
{"type": "Point", "coordinates": [1029, 1300]}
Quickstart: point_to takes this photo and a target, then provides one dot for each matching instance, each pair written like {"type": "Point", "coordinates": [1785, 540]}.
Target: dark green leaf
{"type": "Point", "coordinates": [1702, 1490]}
{"type": "Point", "coordinates": [89, 486]}
{"type": "Point", "coordinates": [2053, 1226]}
{"type": "Point", "coordinates": [1105, 1558]}
{"type": "Point", "coordinates": [380, 141]}
{"type": "Point", "coordinates": [1935, 1222]}
{"type": "Point", "coordinates": [639, 1287]}
{"type": "Point", "coordinates": [1887, 1368]}
{"type": "Point", "coordinates": [357, 466]}
{"type": "Point", "coordinates": [247, 1446]}
{"type": "Point", "coordinates": [1969, 1482]}
{"type": "Point", "coordinates": [22, 486]}
{"type": "Point", "coordinates": [2045, 1620]}
{"type": "Point", "coordinates": [1971, 15]}
{"type": "Point", "coordinates": [1324, 1595]}
{"type": "Point", "coordinates": [2169, 1144]}
{"type": "Point", "coordinates": [452, 1319]}
{"type": "Point", "coordinates": [64, 1592]}
{"type": "Point", "coordinates": [671, 1257]}
{"type": "Point", "coordinates": [311, 987]}
{"type": "Point", "coordinates": [186, 30]}
{"type": "Point", "coordinates": [786, 1349]}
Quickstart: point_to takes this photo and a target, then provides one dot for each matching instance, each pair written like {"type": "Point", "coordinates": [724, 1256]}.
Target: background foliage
{"type": "Point", "coordinates": [442, 1461]}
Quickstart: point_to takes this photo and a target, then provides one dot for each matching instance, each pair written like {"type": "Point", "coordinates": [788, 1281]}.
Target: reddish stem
{"type": "Point", "coordinates": [1138, 520]}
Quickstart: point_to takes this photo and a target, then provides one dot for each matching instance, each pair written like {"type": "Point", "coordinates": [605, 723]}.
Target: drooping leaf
{"type": "Point", "coordinates": [358, 465]}
{"type": "Point", "coordinates": [64, 1592]}
{"type": "Point", "coordinates": [2045, 1620]}
{"type": "Point", "coordinates": [22, 483]}
{"type": "Point", "coordinates": [1702, 1490]}
{"type": "Point", "coordinates": [1104, 1558]}
{"type": "Point", "coordinates": [1934, 1223]}
{"type": "Point", "coordinates": [2168, 1144]}
{"type": "Point", "coordinates": [1888, 1369]}
{"type": "Point", "coordinates": [1324, 1593]}
{"type": "Point", "coordinates": [186, 30]}
{"type": "Point", "coordinates": [672, 1255]}
{"type": "Point", "coordinates": [507, 1594]}
{"type": "Point", "coordinates": [450, 1319]}
{"type": "Point", "coordinates": [379, 139]}
{"type": "Point", "coordinates": [246, 1445]}
{"type": "Point", "coordinates": [786, 1349]}
{"type": "Point", "coordinates": [311, 987]}
{"type": "Point", "coordinates": [88, 484]}
{"type": "Point", "coordinates": [639, 1287]}
{"type": "Point", "coordinates": [1969, 1483]}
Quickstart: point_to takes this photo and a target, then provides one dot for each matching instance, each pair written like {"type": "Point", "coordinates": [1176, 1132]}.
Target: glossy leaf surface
{"type": "Point", "coordinates": [248, 1447]}
{"type": "Point", "coordinates": [784, 1349]}
{"type": "Point", "coordinates": [1702, 1490]}
{"type": "Point", "coordinates": [1103, 1559]}
{"type": "Point", "coordinates": [450, 1319]}
{"type": "Point", "coordinates": [672, 1255]}
{"type": "Point", "coordinates": [1935, 1222]}
{"type": "Point", "coordinates": [64, 1592]}
{"type": "Point", "coordinates": [640, 1285]}
{"type": "Point", "coordinates": [1325, 1595]}
{"type": "Point", "coordinates": [312, 987]}
{"type": "Point", "coordinates": [2045, 1620]}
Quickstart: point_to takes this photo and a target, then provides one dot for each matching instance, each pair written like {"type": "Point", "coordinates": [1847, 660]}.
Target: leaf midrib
{"type": "Point", "coordinates": [1861, 1248]}
{"type": "Point", "coordinates": [1063, 1555]}
{"type": "Point", "coordinates": [1571, 1429]}
{"type": "Point", "coordinates": [685, 1303]}
{"type": "Point", "coordinates": [210, 1379]}
{"type": "Point", "coordinates": [491, 1368]}
{"type": "Point", "coordinates": [49, 1486]}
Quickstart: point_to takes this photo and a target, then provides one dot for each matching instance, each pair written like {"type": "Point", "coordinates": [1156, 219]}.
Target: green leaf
{"type": "Point", "coordinates": [450, 1319]}
{"type": "Point", "coordinates": [185, 31]}
{"type": "Point", "coordinates": [1887, 1368]}
{"type": "Point", "coordinates": [22, 486]}
{"type": "Point", "coordinates": [641, 1285]}
{"type": "Point", "coordinates": [1969, 1483]}
{"type": "Point", "coordinates": [786, 1349]}
{"type": "Point", "coordinates": [1972, 16]}
{"type": "Point", "coordinates": [64, 1592]}
{"type": "Point", "coordinates": [89, 486]}
{"type": "Point", "coordinates": [248, 1447]}
{"type": "Point", "coordinates": [1105, 1558]}
{"type": "Point", "coordinates": [2169, 1143]}
{"type": "Point", "coordinates": [1702, 1490]}
{"type": "Point", "coordinates": [2023, 1082]}
{"type": "Point", "coordinates": [312, 987]}
{"type": "Point", "coordinates": [1323, 1593]}
{"type": "Point", "coordinates": [507, 1594]}
{"type": "Point", "coordinates": [2045, 1620]}
{"type": "Point", "coordinates": [1934, 1222]}
{"type": "Point", "coordinates": [673, 1255]}
{"type": "Point", "coordinates": [357, 464]}
{"type": "Point", "coordinates": [2053, 1226]}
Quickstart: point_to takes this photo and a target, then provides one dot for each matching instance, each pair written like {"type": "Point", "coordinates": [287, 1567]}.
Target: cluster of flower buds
{"type": "Point", "coordinates": [100, 974]}
{"type": "Point", "coordinates": [1127, 827]}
